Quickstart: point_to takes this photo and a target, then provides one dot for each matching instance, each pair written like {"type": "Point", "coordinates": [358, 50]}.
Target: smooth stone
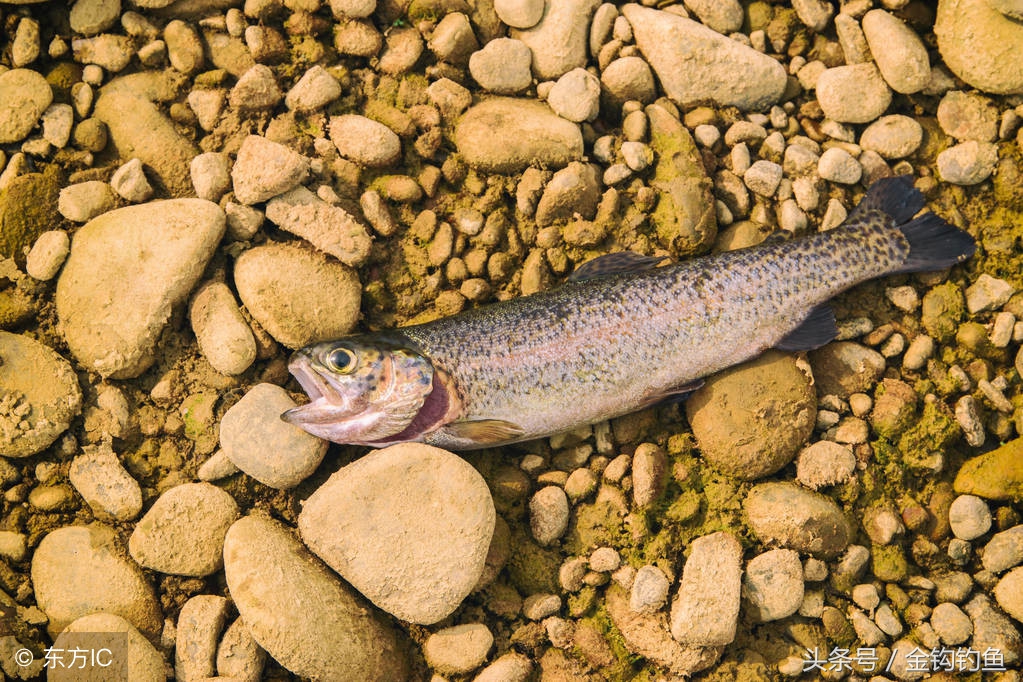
{"type": "Point", "coordinates": [978, 43]}
{"type": "Point", "coordinates": [127, 271]}
{"type": "Point", "coordinates": [1009, 593]}
{"type": "Point", "coordinates": [559, 40]}
{"type": "Point", "coordinates": [649, 474]}
{"type": "Point", "coordinates": [573, 190]}
{"type": "Point", "coordinates": [705, 611]}
{"type": "Point", "coordinates": [649, 590]}
{"type": "Point", "coordinates": [265, 447]}
{"type": "Point", "coordinates": [183, 532]}
{"type": "Point", "coordinates": [211, 175]}
{"type": "Point", "coordinates": [329, 228]}
{"type": "Point", "coordinates": [149, 136]}
{"type": "Point", "coordinates": [90, 17]}
{"type": "Point", "coordinates": [838, 165]}
{"type": "Point", "coordinates": [239, 656]}
{"type": "Point", "coordinates": [751, 420]}
{"type": "Point", "coordinates": [712, 62]}
{"type": "Point", "coordinates": [724, 16]}
{"type": "Point", "coordinates": [355, 9]}
{"type": "Point", "coordinates": [314, 90]}
{"type": "Point", "coordinates": [58, 120]}
{"type": "Point", "coordinates": [824, 463]}
{"type": "Point", "coordinates": [988, 293]}
{"type": "Point", "coordinates": [576, 96]}
{"type": "Point", "coordinates": [263, 169]}
{"type": "Point", "coordinates": [1004, 550]}
{"type": "Point", "coordinates": [109, 51]}
{"type": "Point", "coordinates": [83, 201]}
{"type": "Point", "coordinates": [893, 137]}
{"type": "Point", "coordinates": [106, 486]}
{"type": "Point", "coordinates": [548, 514]}
{"type": "Point", "coordinates": [130, 183]}
{"type": "Point", "coordinates": [364, 141]}
{"type": "Point", "coordinates": [459, 649]}
{"type": "Point", "coordinates": [900, 55]}
{"type": "Point", "coordinates": [773, 584]}
{"type": "Point", "coordinates": [224, 337]}
{"type": "Point", "coordinates": [994, 475]}
{"type": "Point", "coordinates": [843, 368]}
{"type": "Point", "coordinates": [950, 623]}
{"type": "Point", "coordinates": [296, 608]}
{"type": "Point", "coordinates": [511, 667]}
{"type": "Point", "coordinates": [409, 526]}
{"type": "Point", "coordinates": [184, 47]}
{"type": "Point", "coordinates": [628, 78]}
{"type": "Point", "coordinates": [855, 93]}
{"type": "Point", "coordinates": [969, 517]}
{"type": "Point", "coordinates": [39, 395]}
{"type": "Point", "coordinates": [48, 254]}
{"type": "Point", "coordinates": [79, 570]}
{"type": "Point", "coordinates": [299, 296]}
{"type": "Point", "coordinates": [144, 663]}
{"type": "Point", "coordinates": [968, 163]}
{"type": "Point", "coordinates": [530, 134]}
{"type": "Point", "coordinates": [520, 13]}
{"type": "Point", "coordinates": [502, 66]}
{"type": "Point", "coordinates": [968, 116]}
{"type": "Point", "coordinates": [24, 96]}
{"type": "Point", "coordinates": [794, 518]}
{"type": "Point", "coordinates": [199, 625]}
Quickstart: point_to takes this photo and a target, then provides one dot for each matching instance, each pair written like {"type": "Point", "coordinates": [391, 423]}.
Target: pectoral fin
{"type": "Point", "coordinates": [614, 263]}
{"type": "Point", "coordinates": [816, 330]}
{"type": "Point", "coordinates": [485, 431]}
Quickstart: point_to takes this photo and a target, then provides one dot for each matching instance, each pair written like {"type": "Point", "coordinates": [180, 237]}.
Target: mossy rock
{"type": "Point", "coordinates": [936, 430]}
{"type": "Point", "coordinates": [942, 310]}
{"type": "Point", "coordinates": [889, 563]}
{"type": "Point", "coordinates": [532, 568]}
{"type": "Point", "coordinates": [995, 475]}
{"type": "Point", "coordinates": [28, 207]}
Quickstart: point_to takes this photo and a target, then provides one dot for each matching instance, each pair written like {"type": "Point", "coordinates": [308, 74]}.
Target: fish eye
{"type": "Point", "coordinates": [341, 360]}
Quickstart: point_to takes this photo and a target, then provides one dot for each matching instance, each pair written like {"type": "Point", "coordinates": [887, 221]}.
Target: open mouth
{"type": "Point", "coordinates": [311, 382]}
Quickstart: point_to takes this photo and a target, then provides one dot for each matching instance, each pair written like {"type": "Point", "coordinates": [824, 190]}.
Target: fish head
{"type": "Point", "coordinates": [361, 390]}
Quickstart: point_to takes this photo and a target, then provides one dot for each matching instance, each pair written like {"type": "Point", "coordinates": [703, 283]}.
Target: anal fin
{"type": "Point", "coordinates": [817, 329]}
{"type": "Point", "coordinates": [484, 431]}
{"type": "Point", "coordinates": [614, 263]}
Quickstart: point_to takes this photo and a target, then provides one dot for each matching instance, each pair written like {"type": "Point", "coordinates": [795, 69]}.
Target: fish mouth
{"type": "Point", "coordinates": [324, 404]}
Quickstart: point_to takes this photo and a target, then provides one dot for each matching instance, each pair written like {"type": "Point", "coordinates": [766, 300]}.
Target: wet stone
{"type": "Point", "coordinates": [794, 518]}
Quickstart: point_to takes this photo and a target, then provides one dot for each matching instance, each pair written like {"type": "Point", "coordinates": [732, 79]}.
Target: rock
{"type": "Point", "coordinates": [893, 137]}
{"type": "Point", "coordinates": [773, 584]}
{"type": "Point", "coordinates": [548, 514]}
{"type": "Point", "coordinates": [576, 96]}
{"type": "Point", "coordinates": [402, 48]}
{"type": "Point", "coordinates": [128, 269]}
{"type": "Point", "coordinates": [713, 62]}
{"type": "Point", "coordinates": [109, 490]}
{"type": "Point", "coordinates": [722, 16]}
{"type": "Point", "coordinates": [899, 53]}
{"type": "Point", "coordinates": [48, 255]}
{"type": "Point", "coordinates": [502, 66]}
{"type": "Point", "coordinates": [844, 368]}
{"type": "Point", "coordinates": [364, 141]}
{"type": "Point", "coordinates": [264, 169]}
{"type": "Point", "coordinates": [988, 293]}
{"type": "Point", "coordinates": [794, 518]}
{"type": "Point", "coordinates": [184, 47]}
{"type": "Point", "coordinates": [855, 93]}
{"type": "Point", "coordinates": [329, 228]}
{"type": "Point", "coordinates": [751, 420]}
{"type": "Point", "coordinates": [298, 295]}
{"type": "Point", "coordinates": [628, 78]}
{"type": "Point", "coordinates": [211, 175]}
{"type": "Point", "coordinates": [823, 464]}
{"type": "Point", "coordinates": [762, 177]}
{"type": "Point", "coordinates": [573, 190]}
{"type": "Point", "coordinates": [995, 475]}
{"type": "Point", "coordinates": [297, 610]}
{"type": "Point", "coordinates": [149, 136]}
{"type": "Point", "coordinates": [58, 119]}
{"type": "Point", "coordinates": [968, 116]}
{"type": "Point", "coordinates": [90, 17]}
{"type": "Point", "coordinates": [530, 134]}
{"type": "Point", "coordinates": [649, 590]}
{"type": "Point", "coordinates": [1009, 593]}
{"type": "Point", "coordinates": [28, 207]}
{"type": "Point", "coordinates": [224, 337]}
{"type": "Point", "coordinates": [512, 667]}
{"type": "Point", "coordinates": [261, 444]}
{"type": "Point", "coordinates": [815, 14]}
{"type": "Point", "coordinates": [992, 630]}
{"type": "Point", "coordinates": [183, 532]}
{"type": "Point", "coordinates": [355, 9]}
{"type": "Point", "coordinates": [24, 96]}
{"type": "Point", "coordinates": [358, 37]}
{"type": "Point", "coordinates": [967, 163]}
{"type": "Point", "coordinates": [39, 395]}
{"type": "Point", "coordinates": [83, 201]}
{"type": "Point", "coordinates": [1004, 550]}
{"type": "Point", "coordinates": [78, 570]}
{"type": "Point", "coordinates": [559, 40]}
{"type": "Point", "coordinates": [143, 662]}
{"type": "Point", "coordinates": [519, 13]}
{"type": "Point", "coordinates": [950, 623]}
{"type": "Point", "coordinates": [25, 46]}
{"type": "Point", "coordinates": [978, 43]}
{"type": "Point", "coordinates": [256, 90]}
{"type": "Point", "coordinates": [239, 656]}
{"type": "Point", "coordinates": [706, 608]}
{"type": "Point", "coordinates": [110, 51]}
{"type": "Point", "coordinates": [541, 606]}
{"type": "Point", "coordinates": [969, 517]}
{"type": "Point", "coordinates": [458, 650]}
{"type": "Point", "coordinates": [838, 165]}
{"type": "Point", "coordinates": [408, 526]}
{"type": "Point", "coordinates": [649, 474]}
{"type": "Point", "coordinates": [130, 182]}
{"type": "Point", "coordinates": [452, 40]}
{"type": "Point", "coordinates": [314, 90]}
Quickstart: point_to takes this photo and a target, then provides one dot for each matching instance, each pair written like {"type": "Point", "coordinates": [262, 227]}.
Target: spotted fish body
{"type": "Point", "coordinates": [610, 344]}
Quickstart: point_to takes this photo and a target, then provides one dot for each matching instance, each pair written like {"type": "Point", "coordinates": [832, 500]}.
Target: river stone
{"type": "Point", "coordinates": [103, 482]}
{"type": "Point", "coordinates": [408, 526]}
{"type": "Point", "coordinates": [995, 475]}
{"type": "Point", "coordinates": [24, 96]}
{"type": "Point", "coordinates": [793, 517]}
{"type": "Point", "coordinates": [297, 609]}
{"type": "Point", "coordinates": [28, 208]}
{"type": "Point", "coordinates": [329, 228]}
{"type": "Point", "coordinates": [264, 446]}
{"type": "Point", "coordinates": [224, 337]}
{"type": "Point", "coordinates": [751, 420]}
{"type": "Point", "coordinates": [149, 136]}
{"type": "Point", "coordinates": [899, 53]}
{"type": "Point", "coordinates": [855, 93]}
{"type": "Point", "coordinates": [773, 584]}
{"type": "Point", "coordinates": [39, 395]}
{"type": "Point", "coordinates": [505, 135]}
{"type": "Point", "coordinates": [296, 294]}
{"type": "Point", "coordinates": [696, 63]}
{"type": "Point", "coordinates": [143, 663]}
{"type": "Point", "coordinates": [843, 368]}
{"type": "Point", "coordinates": [128, 269]}
{"type": "Point", "coordinates": [79, 570]}
{"type": "Point", "coordinates": [264, 169]}
{"type": "Point", "coordinates": [980, 45]}
{"type": "Point", "coordinates": [364, 140]}
{"type": "Point", "coordinates": [559, 39]}
{"type": "Point", "coordinates": [706, 609]}
{"type": "Point", "coordinates": [183, 532]}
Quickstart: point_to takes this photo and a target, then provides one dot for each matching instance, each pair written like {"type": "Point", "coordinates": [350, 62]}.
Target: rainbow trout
{"type": "Point", "coordinates": [620, 335]}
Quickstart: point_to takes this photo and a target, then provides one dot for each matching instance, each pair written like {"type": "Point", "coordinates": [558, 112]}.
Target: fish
{"type": "Point", "coordinates": [625, 332]}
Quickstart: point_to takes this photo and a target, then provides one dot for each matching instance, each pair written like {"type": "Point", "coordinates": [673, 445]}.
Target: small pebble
{"type": "Point", "coordinates": [763, 177]}
{"type": "Point", "coordinates": [951, 624]}
{"type": "Point", "coordinates": [967, 163]}
{"type": "Point", "coordinates": [837, 165]}
{"type": "Point", "coordinates": [458, 650]}
{"type": "Point", "coordinates": [83, 201]}
{"type": "Point", "coordinates": [47, 255]}
{"type": "Point", "coordinates": [109, 490]}
{"type": "Point", "coordinates": [540, 606]}
{"type": "Point", "coordinates": [649, 590]}
{"type": "Point", "coordinates": [1004, 550]}
{"type": "Point", "coordinates": [199, 626]}
{"type": "Point", "coordinates": [823, 464]}
{"type": "Point", "coordinates": [773, 584]}
{"type": "Point", "coordinates": [129, 181]}
{"type": "Point", "coordinates": [548, 514]}
{"type": "Point", "coordinates": [604, 560]}
{"type": "Point", "coordinates": [987, 293]}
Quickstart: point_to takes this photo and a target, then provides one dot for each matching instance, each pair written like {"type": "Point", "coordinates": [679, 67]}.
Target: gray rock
{"type": "Point", "coordinates": [706, 608]}
{"type": "Point", "coordinates": [224, 337]}
{"type": "Point", "coordinates": [773, 584]}
{"type": "Point", "coordinates": [893, 137]}
{"type": "Point", "coordinates": [951, 624]}
{"type": "Point", "coordinates": [649, 590]}
{"type": "Point", "coordinates": [128, 269]}
{"type": "Point", "coordinates": [314, 90]}
{"type": "Point", "coordinates": [83, 201]}
{"type": "Point", "coordinates": [787, 515]}
{"type": "Point", "coordinates": [198, 628]}
{"type": "Point", "coordinates": [39, 398]}
{"type": "Point", "coordinates": [899, 53]}
{"type": "Point", "coordinates": [724, 16]}
{"type": "Point", "coordinates": [78, 570]}
{"type": "Point", "coordinates": [459, 649]}
{"type": "Point", "coordinates": [530, 133]}
{"type": "Point", "coordinates": [717, 68]}
{"type": "Point", "coordinates": [968, 163]}
{"type": "Point", "coordinates": [329, 228]}
{"type": "Point", "coordinates": [144, 663]}
{"type": "Point", "coordinates": [838, 165]}
{"type": "Point", "coordinates": [502, 66]}
{"type": "Point", "coordinates": [261, 444]}
{"type": "Point", "coordinates": [988, 293]}
{"type": "Point", "coordinates": [559, 40]}
{"type": "Point", "coordinates": [299, 296]}
{"type": "Point", "coordinates": [1004, 550]}
{"type": "Point", "coordinates": [855, 93]}
{"type": "Point", "coordinates": [298, 610]}
{"type": "Point", "coordinates": [576, 96]}
{"type": "Point", "coordinates": [408, 526]}
{"type": "Point", "coordinates": [548, 514]}
{"type": "Point", "coordinates": [105, 485]}
{"type": "Point", "coordinates": [264, 169]}
{"type": "Point", "coordinates": [48, 254]}
{"type": "Point", "coordinates": [183, 532]}
{"type": "Point", "coordinates": [969, 517]}
{"type": "Point", "coordinates": [823, 464]}
{"type": "Point", "coordinates": [364, 141]}
{"type": "Point", "coordinates": [975, 39]}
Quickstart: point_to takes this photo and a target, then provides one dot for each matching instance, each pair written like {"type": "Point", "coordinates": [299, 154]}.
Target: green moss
{"type": "Point", "coordinates": [942, 310]}
{"type": "Point", "coordinates": [597, 524]}
{"type": "Point", "coordinates": [889, 563]}
{"type": "Point", "coordinates": [28, 207]}
{"type": "Point", "coordinates": [935, 432]}
{"type": "Point", "coordinates": [532, 568]}
{"type": "Point", "coordinates": [197, 414]}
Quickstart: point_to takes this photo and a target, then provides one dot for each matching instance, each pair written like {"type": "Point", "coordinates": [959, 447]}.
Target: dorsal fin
{"type": "Point", "coordinates": [817, 329]}
{"type": "Point", "coordinates": [614, 263]}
